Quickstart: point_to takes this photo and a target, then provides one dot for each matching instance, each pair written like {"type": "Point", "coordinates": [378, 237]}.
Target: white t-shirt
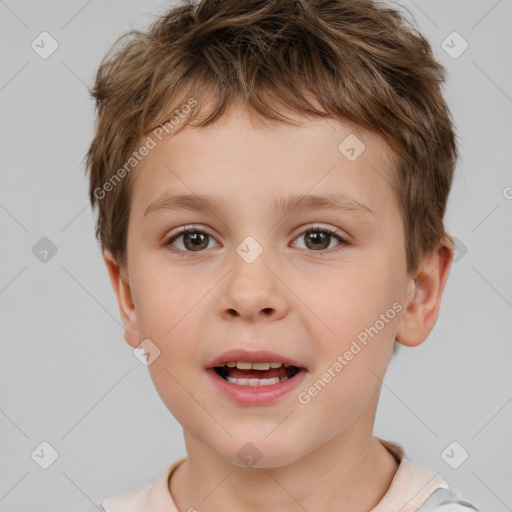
{"type": "Point", "coordinates": [414, 488]}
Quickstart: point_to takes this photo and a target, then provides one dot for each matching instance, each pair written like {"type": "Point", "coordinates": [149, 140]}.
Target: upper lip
{"type": "Point", "coordinates": [259, 356]}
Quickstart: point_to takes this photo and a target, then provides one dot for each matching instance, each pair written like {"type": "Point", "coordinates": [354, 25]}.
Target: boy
{"type": "Point", "coordinates": [271, 180]}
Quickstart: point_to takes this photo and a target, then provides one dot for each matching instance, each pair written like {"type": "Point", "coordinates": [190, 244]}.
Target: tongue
{"type": "Point", "coordinates": [236, 373]}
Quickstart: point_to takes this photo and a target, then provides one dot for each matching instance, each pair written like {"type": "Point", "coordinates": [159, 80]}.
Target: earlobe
{"type": "Point", "coordinates": [422, 310]}
{"type": "Point", "coordinates": [124, 299]}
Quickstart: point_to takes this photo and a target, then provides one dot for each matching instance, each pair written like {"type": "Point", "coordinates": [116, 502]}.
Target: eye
{"type": "Point", "coordinates": [319, 238]}
{"type": "Point", "coordinates": [193, 240]}
{"type": "Point", "coordinates": [190, 239]}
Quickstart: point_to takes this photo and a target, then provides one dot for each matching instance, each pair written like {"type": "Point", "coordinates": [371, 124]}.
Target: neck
{"type": "Point", "coordinates": [352, 473]}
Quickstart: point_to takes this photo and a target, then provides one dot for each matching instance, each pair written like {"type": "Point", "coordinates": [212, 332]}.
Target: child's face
{"type": "Point", "coordinates": [305, 297]}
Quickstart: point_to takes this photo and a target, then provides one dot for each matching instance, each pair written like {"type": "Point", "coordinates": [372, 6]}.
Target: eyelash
{"type": "Point", "coordinates": [185, 254]}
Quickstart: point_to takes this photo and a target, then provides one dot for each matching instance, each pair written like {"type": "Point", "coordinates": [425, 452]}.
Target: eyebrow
{"type": "Point", "coordinates": [292, 203]}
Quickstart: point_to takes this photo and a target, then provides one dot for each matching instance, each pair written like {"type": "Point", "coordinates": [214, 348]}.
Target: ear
{"type": "Point", "coordinates": [124, 299]}
{"type": "Point", "coordinates": [422, 307]}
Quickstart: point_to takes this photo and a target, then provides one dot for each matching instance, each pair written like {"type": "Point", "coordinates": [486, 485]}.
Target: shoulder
{"type": "Point", "coordinates": [128, 501]}
{"type": "Point", "coordinates": [416, 488]}
{"type": "Point", "coordinates": [436, 495]}
{"type": "Point", "coordinates": [447, 500]}
{"type": "Point", "coordinates": [150, 497]}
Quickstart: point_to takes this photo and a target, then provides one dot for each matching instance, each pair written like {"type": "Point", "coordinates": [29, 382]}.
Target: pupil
{"type": "Point", "coordinates": [196, 239]}
{"type": "Point", "coordinates": [318, 237]}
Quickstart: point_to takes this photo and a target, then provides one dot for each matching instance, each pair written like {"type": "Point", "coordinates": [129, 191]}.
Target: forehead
{"type": "Point", "coordinates": [240, 158]}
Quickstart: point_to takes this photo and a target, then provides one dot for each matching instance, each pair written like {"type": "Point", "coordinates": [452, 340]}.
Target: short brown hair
{"type": "Point", "coordinates": [359, 60]}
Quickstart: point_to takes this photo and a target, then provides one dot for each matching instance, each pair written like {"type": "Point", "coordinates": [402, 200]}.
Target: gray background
{"type": "Point", "coordinates": [67, 376]}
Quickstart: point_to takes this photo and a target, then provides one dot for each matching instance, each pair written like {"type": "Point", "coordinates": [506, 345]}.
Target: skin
{"type": "Point", "coordinates": [292, 300]}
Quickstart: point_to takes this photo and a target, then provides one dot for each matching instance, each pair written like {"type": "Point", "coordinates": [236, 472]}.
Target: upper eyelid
{"type": "Point", "coordinates": [198, 227]}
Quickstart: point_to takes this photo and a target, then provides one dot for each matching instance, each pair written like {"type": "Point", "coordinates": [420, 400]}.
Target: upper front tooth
{"type": "Point", "coordinates": [260, 366]}
{"type": "Point", "coordinates": [245, 365]}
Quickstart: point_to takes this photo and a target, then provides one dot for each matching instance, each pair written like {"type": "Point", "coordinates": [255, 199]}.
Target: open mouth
{"type": "Point", "coordinates": [256, 374]}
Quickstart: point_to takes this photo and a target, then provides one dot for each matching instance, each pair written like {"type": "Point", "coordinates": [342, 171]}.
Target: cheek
{"type": "Point", "coordinates": [164, 299]}
{"type": "Point", "coordinates": [170, 314]}
{"type": "Point", "coordinates": [339, 307]}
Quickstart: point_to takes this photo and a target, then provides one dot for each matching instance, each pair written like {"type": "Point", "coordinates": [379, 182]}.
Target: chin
{"type": "Point", "coordinates": [260, 454]}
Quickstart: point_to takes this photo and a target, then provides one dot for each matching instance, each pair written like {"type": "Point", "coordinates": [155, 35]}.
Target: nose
{"type": "Point", "coordinates": [253, 291]}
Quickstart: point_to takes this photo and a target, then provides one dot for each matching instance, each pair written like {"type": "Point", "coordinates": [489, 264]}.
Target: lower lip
{"type": "Point", "coordinates": [255, 395]}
